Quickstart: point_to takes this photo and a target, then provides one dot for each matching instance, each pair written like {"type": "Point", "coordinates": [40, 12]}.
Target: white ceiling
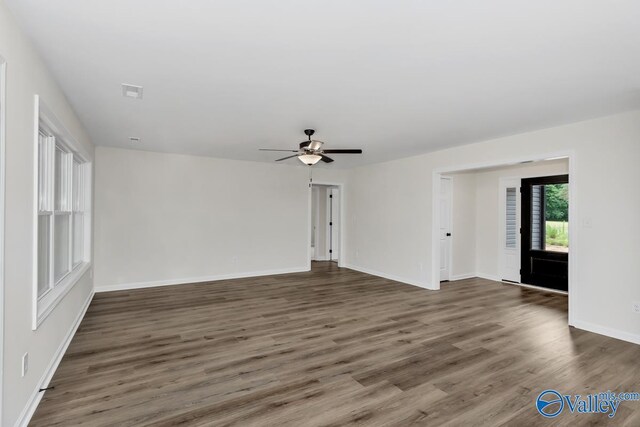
{"type": "Point", "coordinates": [396, 77]}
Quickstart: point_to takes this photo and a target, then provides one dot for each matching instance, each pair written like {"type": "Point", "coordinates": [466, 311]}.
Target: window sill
{"type": "Point", "coordinates": [50, 300]}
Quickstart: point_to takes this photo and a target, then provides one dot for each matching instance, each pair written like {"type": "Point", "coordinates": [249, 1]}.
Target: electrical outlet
{"type": "Point", "coordinates": [636, 307]}
{"type": "Point", "coordinates": [25, 364]}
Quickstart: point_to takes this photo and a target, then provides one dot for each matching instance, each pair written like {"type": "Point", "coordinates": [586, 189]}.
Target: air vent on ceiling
{"type": "Point", "coordinates": [134, 139]}
{"type": "Point", "coordinates": [132, 91]}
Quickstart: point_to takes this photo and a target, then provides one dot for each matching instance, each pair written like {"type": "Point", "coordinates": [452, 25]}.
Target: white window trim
{"type": "Point", "coordinates": [45, 305]}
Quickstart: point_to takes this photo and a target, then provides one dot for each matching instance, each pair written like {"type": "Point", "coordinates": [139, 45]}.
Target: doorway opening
{"type": "Point", "coordinates": [544, 229]}
{"type": "Point", "coordinates": [480, 231]}
{"type": "Point", "coordinates": [325, 235]}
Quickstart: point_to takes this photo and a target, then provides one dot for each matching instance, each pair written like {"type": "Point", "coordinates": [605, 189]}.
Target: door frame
{"type": "Point", "coordinates": [329, 231]}
{"type": "Point", "coordinates": [574, 230]}
{"type": "Point", "coordinates": [3, 125]}
{"type": "Point", "coordinates": [341, 225]}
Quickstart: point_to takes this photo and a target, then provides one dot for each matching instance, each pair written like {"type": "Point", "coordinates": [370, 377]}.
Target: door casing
{"type": "Point", "coordinates": [570, 155]}
{"type": "Point", "coordinates": [342, 223]}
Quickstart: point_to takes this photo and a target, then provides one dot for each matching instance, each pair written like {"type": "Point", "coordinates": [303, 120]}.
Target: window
{"type": "Point", "coordinates": [63, 183]}
{"type": "Point", "coordinates": [511, 218]}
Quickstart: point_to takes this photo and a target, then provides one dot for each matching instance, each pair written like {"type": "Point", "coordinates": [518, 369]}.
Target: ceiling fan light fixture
{"type": "Point", "coordinates": [309, 159]}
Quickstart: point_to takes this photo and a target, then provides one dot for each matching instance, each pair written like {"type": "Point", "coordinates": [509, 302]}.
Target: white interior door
{"type": "Point", "coordinates": [334, 224]}
{"type": "Point", "coordinates": [509, 230]}
{"type": "Point", "coordinates": [445, 228]}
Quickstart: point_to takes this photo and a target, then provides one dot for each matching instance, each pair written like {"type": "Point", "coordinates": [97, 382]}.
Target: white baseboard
{"type": "Point", "coordinates": [462, 276]}
{"type": "Point", "coordinates": [389, 276]}
{"type": "Point", "coordinates": [538, 288]}
{"type": "Point", "coordinates": [522, 285]}
{"type": "Point", "coordinates": [488, 277]}
{"type": "Point", "coordinates": [587, 326]}
{"type": "Point", "coordinates": [603, 330]}
{"type": "Point", "coordinates": [188, 280]}
{"type": "Point", "coordinates": [36, 396]}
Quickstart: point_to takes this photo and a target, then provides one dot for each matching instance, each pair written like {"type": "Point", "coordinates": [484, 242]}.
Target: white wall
{"type": "Point", "coordinates": [390, 215]}
{"type": "Point", "coordinates": [26, 77]}
{"type": "Point", "coordinates": [167, 218]}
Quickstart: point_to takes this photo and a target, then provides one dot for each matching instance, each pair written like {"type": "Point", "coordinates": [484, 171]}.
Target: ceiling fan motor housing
{"type": "Point", "coordinates": [311, 145]}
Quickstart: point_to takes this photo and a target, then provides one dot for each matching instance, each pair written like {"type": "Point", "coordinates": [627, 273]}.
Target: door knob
{"type": "Point", "coordinates": [448, 234]}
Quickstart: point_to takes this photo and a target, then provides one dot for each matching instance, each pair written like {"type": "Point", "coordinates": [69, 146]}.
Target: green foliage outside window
{"type": "Point", "coordinates": [557, 215]}
{"type": "Point", "coordinates": [556, 202]}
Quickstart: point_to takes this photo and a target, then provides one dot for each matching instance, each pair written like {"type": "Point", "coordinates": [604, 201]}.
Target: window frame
{"type": "Point", "coordinates": [47, 126]}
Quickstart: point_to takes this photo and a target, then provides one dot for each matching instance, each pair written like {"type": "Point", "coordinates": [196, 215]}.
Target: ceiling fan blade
{"type": "Point", "coordinates": [285, 158]}
{"type": "Point", "coordinates": [326, 159]}
{"type": "Point", "coordinates": [344, 151]}
{"type": "Point", "coordinates": [273, 149]}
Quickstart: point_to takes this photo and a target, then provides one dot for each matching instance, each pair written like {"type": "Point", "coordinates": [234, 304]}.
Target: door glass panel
{"type": "Point", "coordinates": [549, 217]}
{"type": "Point", "coordinates": [556, 210]}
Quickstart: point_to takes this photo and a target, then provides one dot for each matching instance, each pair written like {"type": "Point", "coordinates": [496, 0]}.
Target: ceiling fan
{"type": "Point", "coordinates": [311, 152]}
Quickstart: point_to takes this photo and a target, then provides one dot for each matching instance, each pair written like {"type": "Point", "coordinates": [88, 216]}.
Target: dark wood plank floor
{"type": "Point", "coordinates": [331, 347]}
